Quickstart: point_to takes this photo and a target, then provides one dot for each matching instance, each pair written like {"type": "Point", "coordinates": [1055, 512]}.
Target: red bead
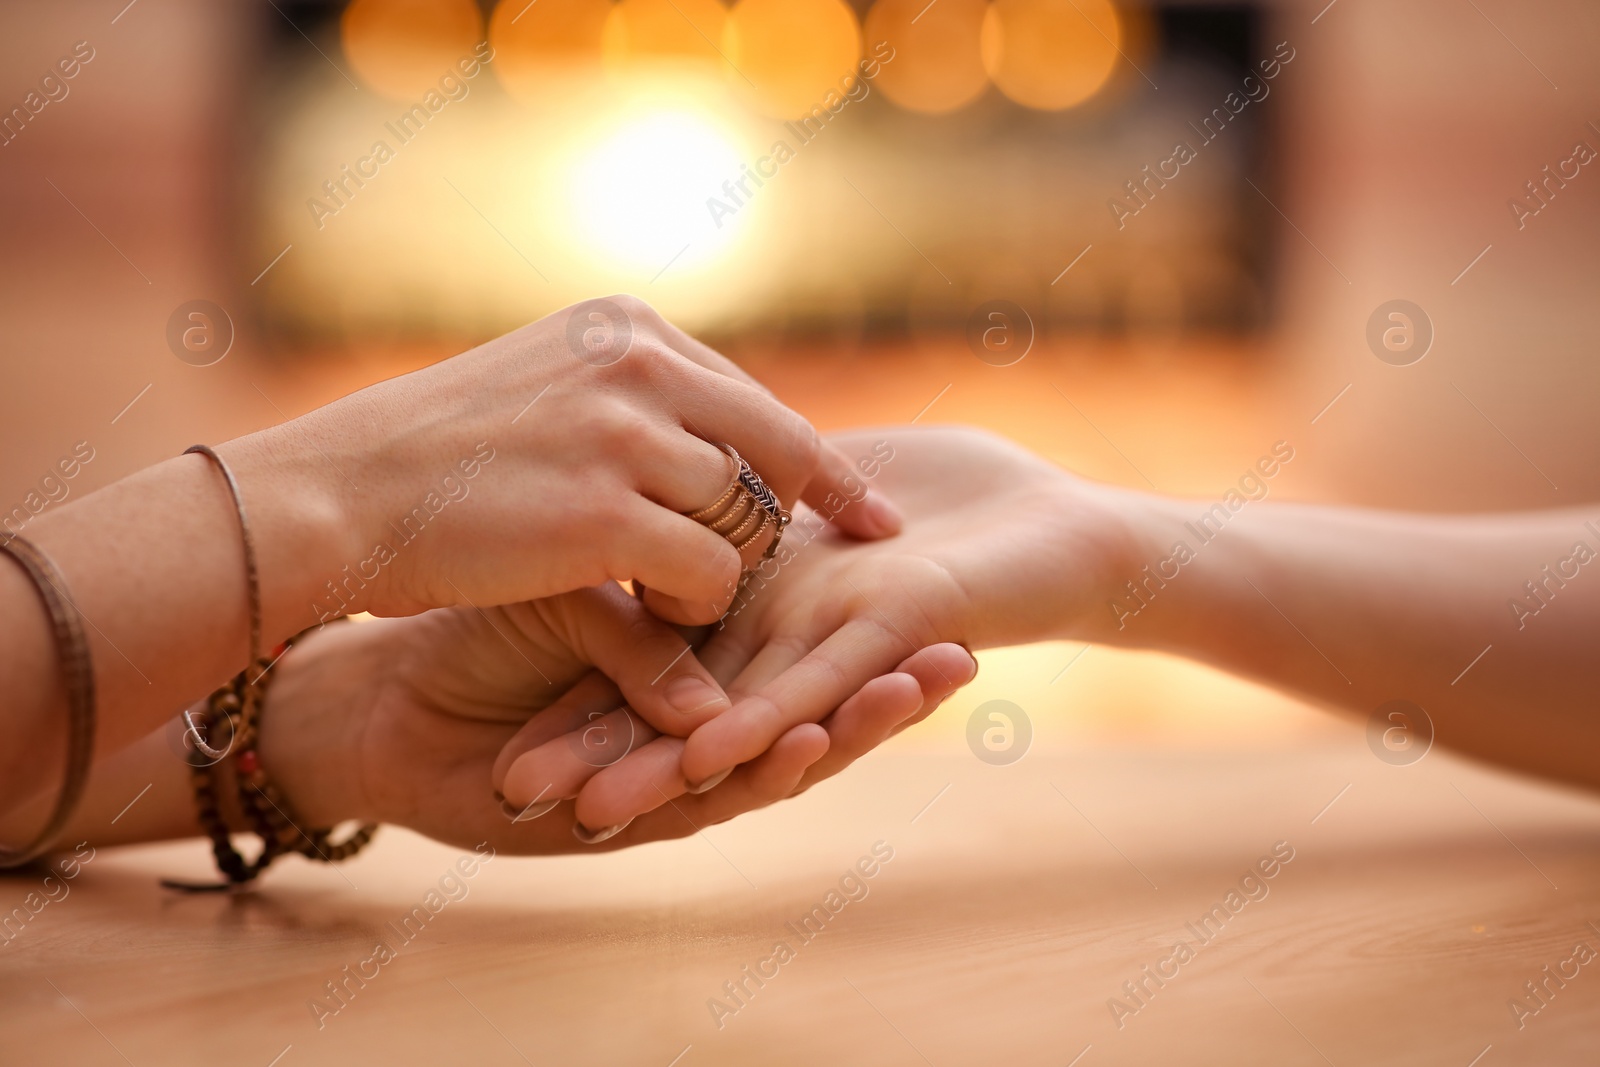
{"type": "Point", "coordinates": [247, 762]}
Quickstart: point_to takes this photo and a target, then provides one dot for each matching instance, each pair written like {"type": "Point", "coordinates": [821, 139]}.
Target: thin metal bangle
{"type": "Point", "coordinates": [251, 573]}
{"type": "Point", "coordinates": [77, 670]}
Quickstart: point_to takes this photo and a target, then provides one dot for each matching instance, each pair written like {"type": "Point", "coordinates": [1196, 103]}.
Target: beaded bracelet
{"type": "Point", "coordinates": [233, 711]}
{"type": "Point", "coordinates": [77, 670]}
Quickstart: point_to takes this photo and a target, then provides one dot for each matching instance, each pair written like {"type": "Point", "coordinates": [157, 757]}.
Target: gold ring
{"type": "Point", "coordinates": [745, 510]}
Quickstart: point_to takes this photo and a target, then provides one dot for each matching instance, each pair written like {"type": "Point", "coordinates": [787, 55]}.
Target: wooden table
{"type": "Point", "coordinates": [1018, 901]}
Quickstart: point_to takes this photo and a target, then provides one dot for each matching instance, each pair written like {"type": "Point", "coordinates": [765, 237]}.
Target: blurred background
{"type": "Point", "coordinates": [1186, 216]}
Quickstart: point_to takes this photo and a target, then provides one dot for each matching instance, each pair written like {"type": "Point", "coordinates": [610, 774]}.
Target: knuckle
{"type": "Point", "coordinates": [763, 714]}
{"type": "Point", "coordinates": [711, 562]}
{"type": "Point", "coordinates": [791, 647]}
{"type": "Point", "coordinates": [647, 363]}
{"type": "Point", "coordinates": [800, 448]}
{"type": "Point", "coordinates": [629, 303]}
{"type": "Point", "coordinates": [831, 674]}
{"type": "Point", "coordinates": [643, 630]}
{"type": "Point", "coordinates": [639, 311]}
{"type": "Point", "coordinates": [807, 444]}
{"type": "Point", "coordinates": [616, 426]}
{"type": "Point", "coordinates": [653, 357]}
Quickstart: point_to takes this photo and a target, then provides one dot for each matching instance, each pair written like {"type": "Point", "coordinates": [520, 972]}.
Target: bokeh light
{"type": "Point", "coordinates": [938, 64]}
{"type": "Point", "coordinates": [544, 47]}
{"type": "Point", "coordinates": [402, 48]}
{"type": "Point", "coordinates": [639, 194]}
{"type": "Point", "coordinates": [790, 54]}
{"type": "Point", "coordinates": [1050, 54]}
{"type": "Point", "coordinates": [645, 34]}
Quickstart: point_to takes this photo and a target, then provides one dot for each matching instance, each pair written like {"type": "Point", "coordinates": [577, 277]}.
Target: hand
{"type": "Point", "coordinates": [540, 463]}
{"type": "Point", "coordinates": [999, 548]}
{"type": "Point", "coordinates": [400, 720]}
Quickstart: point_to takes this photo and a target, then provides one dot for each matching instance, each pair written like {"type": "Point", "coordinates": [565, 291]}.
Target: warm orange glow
{"type": "Point", "coordinates": [540, 45]}
{"type": "Point", "coordinates": [938, 65]}
{"type": "Point", "coordinates": [1051, 54]}
{"type": "Point", "coordinates": [792, 53]}
{"type": "Point", "coordinates": [402, 47]}
{"type": "Point", "coordinates": [645, 33]}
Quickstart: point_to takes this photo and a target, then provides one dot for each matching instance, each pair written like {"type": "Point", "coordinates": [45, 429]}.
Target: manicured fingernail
{"type": "Point", "coordinates": [711, 783]}
{"type": "Point", "coordinates": [594, 837]}
{"type": "Point", "coordinates": [529, 813]}
{"type": "Point", "coordinates": [690, 694]}
{"type": "Point", "coordinates": [882, 513]}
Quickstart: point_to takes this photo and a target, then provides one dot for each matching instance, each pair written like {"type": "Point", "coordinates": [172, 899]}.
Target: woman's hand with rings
{"type": "Point", "coordinates": [560, 456]}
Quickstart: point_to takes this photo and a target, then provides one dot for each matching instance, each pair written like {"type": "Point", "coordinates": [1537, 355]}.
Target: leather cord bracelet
{"type": "Point", "coordinates": [77, 671]}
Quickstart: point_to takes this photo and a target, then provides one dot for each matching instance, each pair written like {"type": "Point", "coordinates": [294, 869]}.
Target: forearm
{"type": "Point", "coordinates": [155, 565]}
{"type": "Point", "coordinates": [1356, 608]}
{"type": "Point", "coordinates": [308, 732]}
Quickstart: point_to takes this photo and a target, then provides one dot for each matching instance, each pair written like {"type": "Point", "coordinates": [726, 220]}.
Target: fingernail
{"type": "Point", "coordinates": [594, 837]}
{"type": "Point", "coordinates": [529, 813]}
{"type": "Point", "coordinates": [710, 783]}
{"type": "Point", "coordinates": [882, 512]}
{"type": "Point", "coordinates": [690, 694]}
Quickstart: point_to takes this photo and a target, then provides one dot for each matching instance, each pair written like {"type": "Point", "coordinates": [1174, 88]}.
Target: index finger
{"type": "Point", "coordinates": [866, 513]}
{"type": "Point", "coordinates": [857, 652]}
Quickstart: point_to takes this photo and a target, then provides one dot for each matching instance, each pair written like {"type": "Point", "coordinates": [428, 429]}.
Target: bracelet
{"type": "Point", "coordinates": [233, 711]}
{"type": "Point", "coordinates": [238, 705]}
{"type": "Point", "coordinates": [252, 575]}
{"type": "Point", "coordinates": [77, 670]}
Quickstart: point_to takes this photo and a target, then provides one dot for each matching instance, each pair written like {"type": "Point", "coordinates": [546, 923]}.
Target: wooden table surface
{"type": "Point", "coordinates": [1017, 902]}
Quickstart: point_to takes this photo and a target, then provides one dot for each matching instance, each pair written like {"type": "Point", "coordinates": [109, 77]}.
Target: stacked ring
{"type": "Point", "coordinates": [746, 511]}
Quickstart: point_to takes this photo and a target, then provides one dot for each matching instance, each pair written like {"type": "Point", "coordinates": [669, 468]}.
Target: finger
{"type": "Point", "coordinates": [652, 775]}
{"type": "Point", "coordinates": [724, 658]}
{"type": "Point", "coordinates": [690, 573]}
{"type": "Point", "coordinates": [684, 612]}
{"type": "Point", "coordinates": [767, 780]}
{"type": "Point", "coordinates": [560, 769]}
{"type": "Point", "coordinates": [777, 772]}
{"type": "Point", "coordinates": [727, 654]}
{"type": "Point", "coordinates": [839, 493]}
{"type": "Point", "coordinates": [778, 444]}
{"type": "Point", "coordinates": [940, 670]}
{"type": "Point", "coordinates": [704, 354]}
{"type": "Point", "coordinates": [660, 678]}
{"type": "Point", "coordinates": [858, 651]}
{"type": "Point", "coordinates": [887, 705]}
{"type": "Point", "coordinates": [776, 656]}
{"type": "Point", "coordinates": [595, 694]}
{"type": "Point", "coordinates": [834, 488]}
{"type": "Point", "coordinates": [648, 778]}
{"type": "Point", "coordinates": [867, 718]}
{"type": "Point", "coordinates": [682, 472]}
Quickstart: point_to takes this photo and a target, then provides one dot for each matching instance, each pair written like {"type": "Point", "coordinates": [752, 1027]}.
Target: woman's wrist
{"type": "Point", "coordinates": [1136, 558]}
{"type": "Point", "coordinates": [312, 722]}
{"type": "Point", "coordinates": [1182, 581]}
{"type": "Point", "coordinates": [306, 524]}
